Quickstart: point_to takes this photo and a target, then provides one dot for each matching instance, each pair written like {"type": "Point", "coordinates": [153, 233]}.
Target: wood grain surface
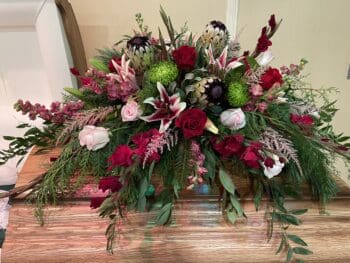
{"type": "Point", "coordinates": [74, 233]}
{"type": "Point", "coordinates": [198, 233]}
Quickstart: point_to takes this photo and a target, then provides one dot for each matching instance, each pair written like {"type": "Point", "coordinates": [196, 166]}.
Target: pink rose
{"type": "Point", "coordinates": [233, 118]}
{"type": "Point", "coordinates": [93, 137]}
{"type": "Point", "coordinates": [131, 111]}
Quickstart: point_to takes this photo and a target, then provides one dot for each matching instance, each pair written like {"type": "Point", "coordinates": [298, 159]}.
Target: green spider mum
{"type": "Point", "coordinates": [164, 72]}
{"type": "Point", "coordinates": [237, 94]}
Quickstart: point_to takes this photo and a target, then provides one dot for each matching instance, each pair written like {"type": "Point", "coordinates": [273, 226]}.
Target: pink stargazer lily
{"type": "Point", "coordinates": [124, 72]}
{"type": "Point", "coordinates": [167, 108]}
{"type": "Point", "coordinates": [221, 61]}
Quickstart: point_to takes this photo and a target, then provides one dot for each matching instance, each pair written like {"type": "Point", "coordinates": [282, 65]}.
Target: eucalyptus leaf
{"type": "Point", "coordinates": [298, 211]}
{"type": "Point", "coordinates": [302, 251]}
{"type": "Point", "coordinates": [226, 181]}
{"type": "Point", "coordinates": [289, 255]}
{"type": "Point", "coordinates": [235, 203]}
{"type": "Point", "coordinates": [282, 244]}
{"type": "Point", "coordinates": [231, 216]}
{"type": "Point", "coordinates": [164, 214]}
{"type": "Point", "coordinates": [296, 239]}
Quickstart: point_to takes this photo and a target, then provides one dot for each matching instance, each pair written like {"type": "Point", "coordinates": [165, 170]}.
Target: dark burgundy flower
{"type": "Point", "coordinates": [192, 122]}
{"type": "Point", "coordinates": [269, 162]}
{"type": "Point", "coordinates": [229, 146]}
{"type": "Point", "coordinates": [96, 202]}
{"type": "Point", "coordinates": [263, 41]}
{"type": "Point", "coordinates": [185, 57]}
{"type": "Point", "coordinates": [271, 77]}
{"type": "Point", "coordinates": [272, 22]}
{"type": "Point", "coordinates": [251, 156]}
{"type": "Point", "coordinates": [122, 156]}
{"type": "Point", "coordinates": [110, 183]}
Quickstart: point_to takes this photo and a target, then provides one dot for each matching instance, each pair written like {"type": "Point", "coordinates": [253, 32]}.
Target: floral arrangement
{"type": "Point", "coordinates": [183, 111]}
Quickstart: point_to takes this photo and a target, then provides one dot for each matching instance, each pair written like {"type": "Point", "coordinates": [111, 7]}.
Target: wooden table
{"type": "Point", "coordinates": [74, 233]}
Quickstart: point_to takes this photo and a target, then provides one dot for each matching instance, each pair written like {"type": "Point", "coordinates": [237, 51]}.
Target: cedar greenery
{"type": "Point", "coordinates": [305, 153]}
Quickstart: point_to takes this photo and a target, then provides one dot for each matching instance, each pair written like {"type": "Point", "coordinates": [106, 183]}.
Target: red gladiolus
{"type": "Point", "coordinates": [251, 155]}
{"type": "Point", "coordinates": [263, 41]}
{"type": "Point", "coordinates": [272, 22]}
{"type": "Point", "coordinates": [96, 202]}
{"type": "Point", "coordinates": [75, 71]}
{"type": "Point", "coordinates": [303, 120]}
{"type": "Point", "coordinates": [270, 78]}
{"type": "Point", "coordinates": [192, 122]}
{"type": "Point", "coordinates": [185, 57]}
{"type": "Point", "coordinates": [110, 183]}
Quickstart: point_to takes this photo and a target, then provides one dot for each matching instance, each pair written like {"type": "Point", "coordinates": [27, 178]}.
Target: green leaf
{"type": "Point", "coordinates": [297, 240]}
{"type": "Point", "coordinates": [164, 214]}
{"type": "Point", "coordinates": [298, 211]}
{"type": "Point", "coordinates": [150, 171]}
{"type": "Point", "coordinates": [141, 202]}
{"type": "Point", "coordinates": [289, 219]}
{"type": "Point", "coordinates": [299, 261]}
{"type": "Point", "coordinates": [74, 92]}
{"type": "Point", "coordinates": [99, 65]}
{"type": "Point", "coordinates": [283, 242]}
{"type": "Point", "coordinates": [8, 138]}
{"type": "Point", "coordinates": [235, 203]}
{"type": "Point", "coordinates": [302, 251]}
{"type": "Point", "coordinates": [289, 255]}
{"type": "Point", "coordinates": [258, 195]}
{"type": "Point", "coordinates": [23, 125]}
{"type": "Point", "coordinates": [226, 181]}
{"type": "Point", "coordinates": [232, 216]}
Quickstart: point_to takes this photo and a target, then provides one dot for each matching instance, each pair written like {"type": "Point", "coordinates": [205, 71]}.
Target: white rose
{"type": "Point", "coordinates": [131, 111]}
{"type": "Point", "coordinates": [276, 169]}
{"type": "Point", "coordinates": [233, 118]}
{"type": "Point", "coordinates": [93, 137]}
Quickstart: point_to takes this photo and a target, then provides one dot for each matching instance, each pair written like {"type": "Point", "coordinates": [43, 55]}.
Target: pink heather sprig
{"type": "Point", "coordinates": [198, 160]}
{"type": "Point", "coordinates": [57, 113]}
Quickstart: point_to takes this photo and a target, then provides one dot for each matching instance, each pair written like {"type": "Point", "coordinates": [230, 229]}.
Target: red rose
{"type": "Point", "coordinates": [303, 120]}
{"type": "Point", "coordinates": [110, 183]}
{"type": "Point", "coordinates": [251, 155]}
{"type": "Point", "coordinates": [185, 57]}
{"type": "Point", "coordinates": [192, 122]}
{"type": "Point", "coordinates": [229, 146]}
{"type": "Point", "coordinates": [263, 41]}
{"type": "Point", "coordinates": [122, 156]}
{"type": "Point", "coordinates": [271, 77]}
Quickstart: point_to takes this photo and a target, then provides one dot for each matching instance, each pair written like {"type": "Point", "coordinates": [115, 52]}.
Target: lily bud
{"type": "Point", "coordinates": [210, 126]}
